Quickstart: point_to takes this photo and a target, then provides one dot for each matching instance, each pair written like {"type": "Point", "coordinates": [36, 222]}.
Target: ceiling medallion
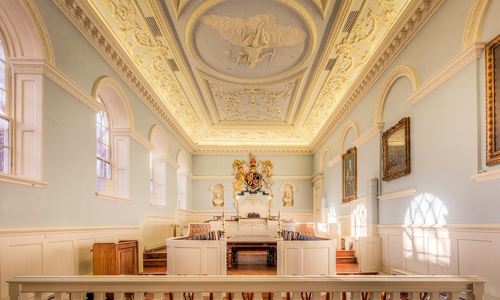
{"type": "Point", "coordinates": [255, 34]}
{"type": "Point", "coordinates": [250, 42]}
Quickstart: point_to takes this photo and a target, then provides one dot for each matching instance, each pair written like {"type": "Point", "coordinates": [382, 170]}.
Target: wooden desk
{"type": "Point", "coordinates": [251, 242]}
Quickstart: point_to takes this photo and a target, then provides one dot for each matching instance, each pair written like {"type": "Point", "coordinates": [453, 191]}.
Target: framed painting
{"type": "Point", "coordinates": [492, 69]}
{"type": "Point", "coordinates": [396, 150]}
{"type": "Point", "coordinates": [349, 175]}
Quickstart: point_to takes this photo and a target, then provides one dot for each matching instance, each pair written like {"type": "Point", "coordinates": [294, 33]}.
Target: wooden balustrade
{"type": "Point", "coordinates": [236, 287]}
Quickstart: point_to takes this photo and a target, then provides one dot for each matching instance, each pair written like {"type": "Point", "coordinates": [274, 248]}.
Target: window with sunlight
{"type": "Point", "coordinates": [4, 114]}
{"type": "Point", "coordinates": [104, 182]}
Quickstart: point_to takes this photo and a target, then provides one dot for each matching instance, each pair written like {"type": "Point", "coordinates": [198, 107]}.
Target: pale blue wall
{"type": "Point", "coordinates": [215, 165]}
{"type": "Point", "coordinates": [69, 147]}
{"type": "Point", "coordinates": [447, 128]}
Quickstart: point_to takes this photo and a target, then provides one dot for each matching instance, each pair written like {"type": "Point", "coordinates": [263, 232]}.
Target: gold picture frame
{"type": "Point", "coordinates": [492, 70]}
{"type": "Point", "coordinates": [349, 175]}
{"type": "Point", "coordinates": [396, 150]}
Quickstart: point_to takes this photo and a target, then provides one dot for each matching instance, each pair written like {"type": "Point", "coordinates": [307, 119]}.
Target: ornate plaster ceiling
{"type": "Point", "coordinates": [270, 73]}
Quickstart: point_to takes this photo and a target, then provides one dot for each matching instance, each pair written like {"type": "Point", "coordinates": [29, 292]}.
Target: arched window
{"type": "Point", "coordinates": [114, 125]}
{"type": "Point", "coordinates": [182, 173]}
{"type": "Point", "coordinates": [104, 182]}
{"type": "Point", "coordinates": [358, 221]}
{"type": "Point", "coordinates": [158, 167]}
{"type": "Point", "coordinates": [5, 152]}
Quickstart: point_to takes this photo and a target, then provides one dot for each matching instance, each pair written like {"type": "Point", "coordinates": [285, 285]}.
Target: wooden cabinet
{"type": "Point", "coordinates": [116, 259]}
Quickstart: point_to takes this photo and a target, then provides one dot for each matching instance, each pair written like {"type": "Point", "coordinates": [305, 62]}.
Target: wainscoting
{"type": "Point", "coordinates": [444, 250]}
{"type": "Point", "coordinates": [66, 250]}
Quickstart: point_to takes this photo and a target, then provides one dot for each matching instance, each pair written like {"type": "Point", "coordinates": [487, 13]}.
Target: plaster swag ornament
{"type": "Point", "coordinates": [255, 34]}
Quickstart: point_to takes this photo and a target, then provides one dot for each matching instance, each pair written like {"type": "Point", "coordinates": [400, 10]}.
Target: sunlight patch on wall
{"type": "Point", "coordinates": [424, 238]}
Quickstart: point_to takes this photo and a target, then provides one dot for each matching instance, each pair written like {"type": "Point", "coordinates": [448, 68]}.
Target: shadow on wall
{"type": "Point", "coordinates": [424, 238]}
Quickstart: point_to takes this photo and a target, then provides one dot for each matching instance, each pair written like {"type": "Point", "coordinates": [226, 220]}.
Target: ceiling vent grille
{"type": "Point", "coordinates": [350, 21]}
{"type": "Point", "coordinates": [173, 65]}
{"type": "Point", "coordinates": [153, 26]}
{"type": "Point", "coordinates": [330, 64]}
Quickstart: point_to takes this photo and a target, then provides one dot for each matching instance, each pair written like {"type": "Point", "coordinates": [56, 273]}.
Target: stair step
{"type": "Point", "coordinates": [155, 263]}
{"type": "Point", "coordinates": [346, 260]}
{"type": "Point", "coordinates": [154, 255]}
{"type": "Point", "coordinates": [344, 253]}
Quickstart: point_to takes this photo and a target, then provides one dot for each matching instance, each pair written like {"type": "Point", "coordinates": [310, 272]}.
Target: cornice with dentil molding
{"type": "Point", "coordinates": [405, 28]}
{"type": "Point", "coordinates": [91, 28]}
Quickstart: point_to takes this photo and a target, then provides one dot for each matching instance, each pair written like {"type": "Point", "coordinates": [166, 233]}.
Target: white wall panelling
{"type": "Point", "coordinates": [446, 249]}
{"type": "Point", "coordinates": [66, 251]}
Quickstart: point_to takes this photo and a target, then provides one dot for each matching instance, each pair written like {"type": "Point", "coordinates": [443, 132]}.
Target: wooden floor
{"type": "Point", "coordinates": [252, 263]}
{"type": "Point", "coordinates": [255, 263]}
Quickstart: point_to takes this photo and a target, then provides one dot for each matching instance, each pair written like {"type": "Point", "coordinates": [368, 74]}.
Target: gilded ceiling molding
{"type": "Point", "coordinates": [335, 31]}
{"type": "Point", "coordinates": [474, 23]}
{"type": "Point", "coordinates": [322, 158]}
{"type": "Point", "coordinates": [150, 55]}
{"type": "Point", "coordinates": [243, 149]}
{"type": "Point", "coordinates": [350, 124]}
{"type": "Point", "coordinates": [271, 111]}
{"type": "Point", "coordinates": [41, 30]}
{"type": "Point", "coordinates": [353, 54]}
{"type": "Point", "coordinates": [464, 58]}
{"type": "Point", "coordinates": [108, 82]}
{"type": "Point", "coordinates": [322, 6]}
{"type": "Point", "coordinates": [251, 135]}
{"type": "Point", "coordinates": [178, 55]}
{"type": "Point", "coordinates": [412, 19]}
{"type": "Point", "coordinates": [88, 24]}
{"type": "Point", "coordinates": [178, 6]}
{"type": "Point", "coordinates": [401, 71]}
{"type": "Point", "coordinates": [205, 6]}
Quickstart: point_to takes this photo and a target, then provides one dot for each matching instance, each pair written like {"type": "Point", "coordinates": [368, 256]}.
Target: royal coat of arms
{"type": "Point", "coordinates": [252, 177]}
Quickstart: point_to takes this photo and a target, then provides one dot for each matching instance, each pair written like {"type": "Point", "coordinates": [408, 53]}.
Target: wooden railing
{"type": "Point", "coordinates": [247, 287]}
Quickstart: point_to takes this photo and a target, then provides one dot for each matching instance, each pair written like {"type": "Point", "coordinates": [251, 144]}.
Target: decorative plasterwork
{"type": "Point", "coordinates": [41, 30]}
{"type": "Point", "coordinates": [486, 175]}
{"type": "Point", "coordinates": [322, 5]}
{"type": "Point", "coordinates": [412, 18]}
{"type": "Point", "coordinates": [88, 24]}
{"type": "Point", "coordinates": [250, 135]}
{"type": "Point", "coordinates": [243, 149]}
{"type": "Point", "coordinates": [225, 23]}
{"type": "Point", "coordinates": [251, 103]}
{"type": "Point", "coordinates": [399, 194]}
{"type": "Point", "coordinates": [474, 23]}
{"type": "Point", "coordinates": [259, 36]}
{"type": "Point", "coordinates": [178, 6]}
{"type": "Point", "coordinates": [460, 61]}
{"type": "Point", "coordinates": [151, 57]}
{"type": "Point", "coordinates": [353, 53]}
{"type": "Point", "coordinates": [397, 73]}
